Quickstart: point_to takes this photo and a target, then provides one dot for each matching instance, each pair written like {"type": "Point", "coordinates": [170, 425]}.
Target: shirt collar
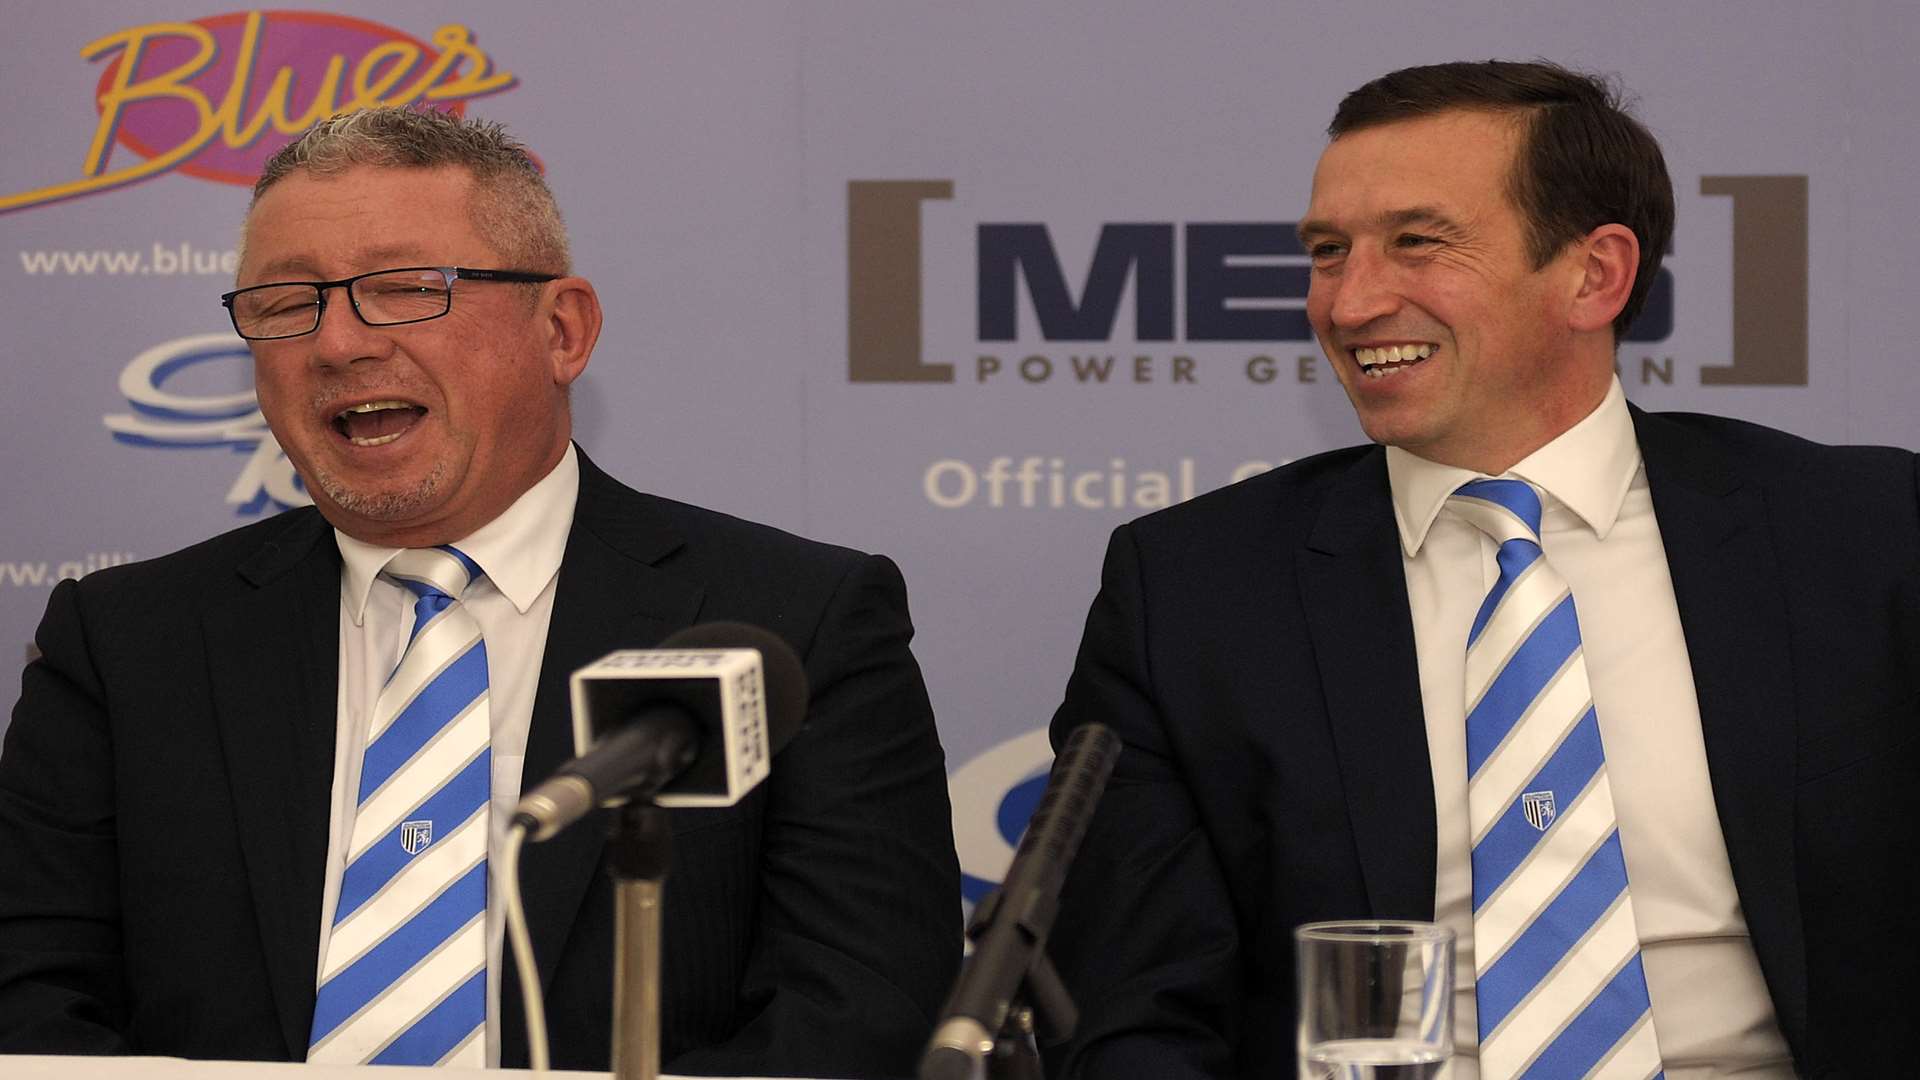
{"type": "Point", "coordinates": [520, 550]}
{"type": "Point", "coordinates": [1587, 468]}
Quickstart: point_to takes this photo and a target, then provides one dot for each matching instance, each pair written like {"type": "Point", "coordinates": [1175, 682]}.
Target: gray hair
{"type": "Point", "coordinates": [512, 206]}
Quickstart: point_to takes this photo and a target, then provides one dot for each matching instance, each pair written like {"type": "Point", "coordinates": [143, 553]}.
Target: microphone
{"type": "Point", "coordinates": [1010, 928]}
{"type": "Point", "coordinates": [695, 722]}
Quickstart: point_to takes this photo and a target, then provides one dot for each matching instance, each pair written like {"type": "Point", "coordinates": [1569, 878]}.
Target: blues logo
{"type": "Point", "coordinates": [215, 97]}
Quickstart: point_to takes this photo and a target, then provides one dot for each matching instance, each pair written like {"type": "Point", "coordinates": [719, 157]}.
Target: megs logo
{"type": "Point", "coordinates": [1207, 282]}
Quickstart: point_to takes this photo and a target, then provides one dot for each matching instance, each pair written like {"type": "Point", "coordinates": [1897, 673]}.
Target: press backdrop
{"type": "Point", "coordinates": [968, 284]}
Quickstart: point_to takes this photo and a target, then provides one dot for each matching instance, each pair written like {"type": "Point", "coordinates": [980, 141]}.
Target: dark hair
{"type": "Point", "coordinates": [1583, 161]}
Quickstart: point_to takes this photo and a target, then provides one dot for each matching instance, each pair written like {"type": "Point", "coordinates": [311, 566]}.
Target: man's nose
{"type": "Point", "coordinates": [1367, 288]}
{"type": "Point", "coordinates": [342, 337]}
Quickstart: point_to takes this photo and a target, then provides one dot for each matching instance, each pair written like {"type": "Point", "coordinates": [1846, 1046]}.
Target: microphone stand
{"type": "Point", "coordinates": [640, 849]}
{"type": "Point", "coordinates": [1041, 1008]}
{"type": "Point", "coordinates": [1009, 982]}
{"type": "Point", "coordinates": [1051, 1015]}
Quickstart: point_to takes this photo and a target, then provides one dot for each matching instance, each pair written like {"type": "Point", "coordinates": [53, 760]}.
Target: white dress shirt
{"type": "Point", "coordinates": [1710, 1004]}
{"type": "Point", "coordinates": [520, 551]}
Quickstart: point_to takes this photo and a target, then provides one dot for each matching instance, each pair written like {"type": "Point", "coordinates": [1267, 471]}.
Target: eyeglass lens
{"type": "Point", "coordinates": [397, 296]}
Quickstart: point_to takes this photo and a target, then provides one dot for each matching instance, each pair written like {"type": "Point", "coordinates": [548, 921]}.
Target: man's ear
{"type": "Point", "coordinates": [571, 313]}
{"type": "Point", "coordinates": [1608, 258]}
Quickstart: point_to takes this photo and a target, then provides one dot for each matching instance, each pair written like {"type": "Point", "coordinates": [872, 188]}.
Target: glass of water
{"type": "Point", "coordinates": [1375, 1000]}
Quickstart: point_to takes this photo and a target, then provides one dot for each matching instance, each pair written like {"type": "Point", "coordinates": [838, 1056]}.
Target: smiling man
{"type": "Point", "coordinates": [405, 435]}
{"type": "Point", "coordinates": [252, 792]}
{"type": "Point", "coordinates": [1626, 700]}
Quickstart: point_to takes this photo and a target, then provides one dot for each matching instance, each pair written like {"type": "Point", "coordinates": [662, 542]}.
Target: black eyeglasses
{"type": "Point", "coordinates": [409, 294]}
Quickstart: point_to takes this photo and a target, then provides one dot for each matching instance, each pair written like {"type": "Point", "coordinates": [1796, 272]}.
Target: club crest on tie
{"type": "Point", "coordinates": [416, 835]}
{"type": "Point", "coordinates": [1537, 806]}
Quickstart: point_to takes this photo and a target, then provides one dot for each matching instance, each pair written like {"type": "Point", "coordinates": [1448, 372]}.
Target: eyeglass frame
{"type": "Point", "coordinates": [321, 288]}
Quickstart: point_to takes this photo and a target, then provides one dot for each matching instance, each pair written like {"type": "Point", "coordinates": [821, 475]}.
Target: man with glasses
{"type": "Point", "coordinates": [188, 779]}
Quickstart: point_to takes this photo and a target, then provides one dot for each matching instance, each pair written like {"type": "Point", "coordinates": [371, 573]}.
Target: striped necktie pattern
{"type": "Point", "coordinates": [404, 980]}
{"type": "Point", "coordinates": [1558, 981]}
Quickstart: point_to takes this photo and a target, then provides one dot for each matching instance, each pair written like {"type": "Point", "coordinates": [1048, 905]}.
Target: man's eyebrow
{"type": "Point", "coordinates": [301, 268]}
{"type": "Point", "coordinates": [1430, 216]}
{"type": "Point", "coordinates": [284, 270]}
{"type": "Point", "coordinates": [1312, 227]}
{"type": "Point", "coordinates": [386, 255]}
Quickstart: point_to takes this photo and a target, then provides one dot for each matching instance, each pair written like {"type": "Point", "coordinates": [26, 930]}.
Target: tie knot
{"type": "Point", "coordinates": [442, 571]}
{"type": "Point", "coordinates": [1503, 509]}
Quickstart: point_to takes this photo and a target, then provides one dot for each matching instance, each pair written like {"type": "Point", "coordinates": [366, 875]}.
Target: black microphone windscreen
{"type": "Point", "coordinates": [784, 680]}
{"type": "Point", "coordinates": [1054, 832]}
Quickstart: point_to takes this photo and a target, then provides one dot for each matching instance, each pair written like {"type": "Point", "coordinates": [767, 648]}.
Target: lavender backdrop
{"type": "Point", "coordinates": [747, 184]}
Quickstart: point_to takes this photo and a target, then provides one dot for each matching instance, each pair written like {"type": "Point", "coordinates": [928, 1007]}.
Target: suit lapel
{"type": "Point", "coordinates": [610, 596]}
{"type": "Point", "coordinates": [1713, 526]}
{"type": "Point", "coordinates": [273, 654]}
{"type": "Point", "coordinates": [1726, 581]}
{"type": "Point", "coordinates": [274, 660]}
{"type": "Point", "coordinates": [1355, 592]}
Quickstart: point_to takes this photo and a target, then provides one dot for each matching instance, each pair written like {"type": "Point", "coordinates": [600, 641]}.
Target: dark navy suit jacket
{"type": "Point", "coordinates": [1254, 649]}
{"type": "Point", "coordinates": [164, 797]}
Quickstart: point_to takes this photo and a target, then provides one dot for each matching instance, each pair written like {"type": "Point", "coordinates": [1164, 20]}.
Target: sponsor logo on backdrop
{"type": "Point", "coordinates": [167, 417]}
{"type": "Point", "coordinates": [40, 573]}
{"type": "Point", "coordinates": [214, 97]}
{"type": "Point", "coordinates": [1052, 483]}
{"type": "Point", "coordinates": [993, 796]}
{"type": "Point", "coordinates": [1226, 301]}
{"type": "Point", "coordinates": [164, 259]}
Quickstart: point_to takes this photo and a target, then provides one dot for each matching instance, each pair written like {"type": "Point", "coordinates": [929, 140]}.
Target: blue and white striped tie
{"type": "Point", "coordinates": [405, 977]}
{"type": "Point", "coordinates": [1559, 987]}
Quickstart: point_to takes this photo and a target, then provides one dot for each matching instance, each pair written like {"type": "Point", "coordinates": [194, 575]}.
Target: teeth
{"type": "Point", "coordinates": [1373, 360]}
{"type": "Point", "coordinates": [373, 406]}
{"type": "Point", "coordinates": [369, 407]}
{"type": "Point", "coordinates": [1381, 371]}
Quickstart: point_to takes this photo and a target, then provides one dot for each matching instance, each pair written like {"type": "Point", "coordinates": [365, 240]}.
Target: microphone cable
{"type": "Point", "coordinates": [533, 1005]}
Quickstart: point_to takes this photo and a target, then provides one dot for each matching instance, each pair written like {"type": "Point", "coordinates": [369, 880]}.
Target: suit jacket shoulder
{"type": "Point", "coordinates": [187, 581]}
{"type": "Point", "coordinates": [1752, 451]}
{"type": "Point", "coordinates": [741, 565]}
{"type": "Point", "coordinates": [1288, 498]}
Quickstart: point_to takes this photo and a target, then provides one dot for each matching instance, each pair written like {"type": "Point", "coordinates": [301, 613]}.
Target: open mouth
{"type": "Point", "coordinates": [376, 423]}
{"type": "Point", "coordinates": [1382, 361]}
